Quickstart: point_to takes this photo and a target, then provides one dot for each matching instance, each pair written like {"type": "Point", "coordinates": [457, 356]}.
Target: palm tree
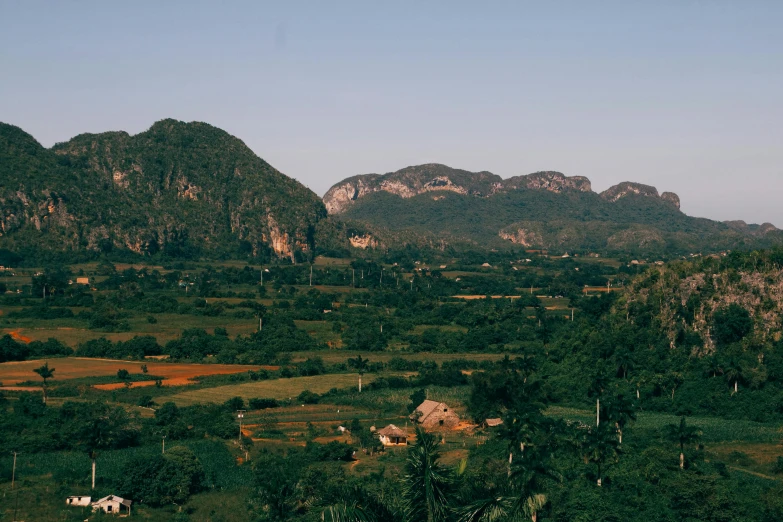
{"type": "Point", "coordinates": [426, 482]}
{"type": "Point", "coordinates": [734, 373]}
{"type": "Point", "coordinates": [596, 389]}
{"type": "Point", "coordinates": [714, 367]}
{"type": "Point", "coordinates": [624, 361]}
{"type": "Point", "coordinates": [519, 427]}
{"type": "Point", "coordinates": [682, 434]}
{"type": "Point", "coordinates": [620, 410]}
{"type": "Point", "coordinates": [46, 373]}
{"type": "Point", "coordinates": [601, 448]}
{"type": "Point", "coordinates": [361, 366]}
{"type": "Point", "coordinates": [521, 499]}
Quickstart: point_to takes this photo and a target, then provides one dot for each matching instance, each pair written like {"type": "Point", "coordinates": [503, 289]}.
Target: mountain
{"type": "Point", "coordinates": [436, 205]}
{"type": "Point", "coordinates": [178, 187]}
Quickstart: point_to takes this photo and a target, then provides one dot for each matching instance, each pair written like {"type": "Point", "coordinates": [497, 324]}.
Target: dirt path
{"type": "Point", "coordinates": [754, 473]}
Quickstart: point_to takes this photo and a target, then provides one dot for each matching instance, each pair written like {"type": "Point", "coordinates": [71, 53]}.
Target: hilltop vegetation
{"type": "Point", "coordinates": [178, 189]}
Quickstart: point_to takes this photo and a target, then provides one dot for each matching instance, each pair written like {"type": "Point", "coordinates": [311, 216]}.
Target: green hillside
{"type": "Point", "coordinates": [544, 219]}
{"type": "Point", "coordinates": [179, 188]}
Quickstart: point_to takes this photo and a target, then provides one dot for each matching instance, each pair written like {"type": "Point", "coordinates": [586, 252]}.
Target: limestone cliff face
{"type": "Point", "coordinates": [548, 180]}
{"type": "Point", "coordinates": [627, 188]}
{"type": "Point", "coordinates": [409, 182]}
{"type": "Point", "coordinates": [412, 181]}
{"type": "Point", "coordinates": [522, 234]}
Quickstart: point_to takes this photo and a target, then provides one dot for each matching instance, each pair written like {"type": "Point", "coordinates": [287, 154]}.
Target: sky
{"type": "Point", "coordinates": [683, 95]}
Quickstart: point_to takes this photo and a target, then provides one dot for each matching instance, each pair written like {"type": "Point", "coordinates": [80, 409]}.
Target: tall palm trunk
{"type": "Point", "coordinates": [360, 383]}
{"type": "Point", "coordinates": [682, 456]}
{"type": "Point", "coordinates": [597, 412]}
{"type": "Point", "coordinates": [93, 473]}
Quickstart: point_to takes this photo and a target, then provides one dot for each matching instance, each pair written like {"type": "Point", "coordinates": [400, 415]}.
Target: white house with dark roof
{"type": "Point", "coordinates": [113, 505]}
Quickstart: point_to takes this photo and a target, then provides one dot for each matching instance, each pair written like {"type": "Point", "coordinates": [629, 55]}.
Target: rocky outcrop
{"type": "Point", "coordinates": [410, 182]}
{"type": "Point", "coordinates": [751, 229]}
{"type": "Point", "coordinates": [363, 241]}
{"type": "Point", "coordinates": [672, 198]}
{"type": "Point", "coordinates": [548, 180]}
{"type": "Point", "coordinates": [522, 234]}
{"type": "Point", "coordinates": [627, 188]}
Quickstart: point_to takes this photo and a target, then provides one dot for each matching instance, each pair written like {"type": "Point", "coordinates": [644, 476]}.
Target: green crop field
{"type": "Point", "coordinates": [273, 389]}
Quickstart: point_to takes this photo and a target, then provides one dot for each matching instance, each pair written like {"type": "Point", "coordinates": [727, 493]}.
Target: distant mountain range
{"type": "Point", "coordinates": [190, 189]}
{"type": "Point", "coordinates": [434, 204]}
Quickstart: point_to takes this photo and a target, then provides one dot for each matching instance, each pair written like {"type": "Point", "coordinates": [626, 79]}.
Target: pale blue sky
{"type": "Point", "coordinates": [683, 95]}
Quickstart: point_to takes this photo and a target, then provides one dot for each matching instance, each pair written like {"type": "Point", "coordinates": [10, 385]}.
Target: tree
{"type": "Point", "coordinates": [731, 324]}
{"type": "Point", "coordinates": [163, 479]}
{"type": "Point", "coordinates": [734, 373]}
{"type": "Point", "coordinates": [46, 373]}
{"type": "Point", "coordinates": [426, 482]}
{"type": "Point", "coordinates": [619, 410]}
{"type": "Point", "coordinates": [625, 361]}
{"type": "Point", "coordinates": [682, 434]}
{"type": "Point", "coordinates": [361, 366]}
{"type": "Point", "coordinates": [596, 389]}
{"type": "Point", "coordinates": [601, 447]}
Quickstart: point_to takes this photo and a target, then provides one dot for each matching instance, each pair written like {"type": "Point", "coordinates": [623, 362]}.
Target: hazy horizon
{"type": "Point", "coordinates": [681, 96]}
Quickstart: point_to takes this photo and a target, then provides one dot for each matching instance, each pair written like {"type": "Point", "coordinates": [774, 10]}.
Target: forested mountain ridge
{"type": "Point", "coordinates": [435, 205]}
{"type": "Point", "coordinates": [178, 187]}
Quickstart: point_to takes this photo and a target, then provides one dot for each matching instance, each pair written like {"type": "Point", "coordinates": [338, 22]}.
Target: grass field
{"type": "Point", "coordinates": [78, 367]}
{"type": "Point", "coordinates": [169, 326]}
{"type": "Point", "coordinates": [340, 356]}
{"type": "Point", "coordinates": [272, 389]}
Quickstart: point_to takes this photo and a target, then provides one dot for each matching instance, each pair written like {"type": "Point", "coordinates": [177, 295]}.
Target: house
{"type": "Point", "coordinates": [74, 500]}
{"type": "Point", "coordinates": [112, 504]}
{"type": "Point", "coordinates": [82, 280]}
{"type": "Point", "coordinates": [493, 423]}
{"type": "Point", "coordinates": [434, 415]}
{"type": "Point", "coordinates": [391, 435]}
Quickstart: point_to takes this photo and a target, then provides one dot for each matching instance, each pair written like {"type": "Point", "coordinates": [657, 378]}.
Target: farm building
{"type": "Point", "coordinates": [493, 423]}
{"type": "Point", "coordinates": [82, 280]}
{"type": "Point", "coordinates": [434, 415]}
{"type": "Point", "coordinates": [75, 500]}
{"type": "Point", "coordinates": [391, 435]}
{"type": "Point", "coordinates": [112, 504]}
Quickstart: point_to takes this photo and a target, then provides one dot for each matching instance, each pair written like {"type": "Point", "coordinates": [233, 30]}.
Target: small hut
{"type": "Point", "coordinates": [112, 504]}
{"type": "Point", "coordinates": [76, 500]}
{"type": "Point", "coordinates": [391, 435]}
{"type": "Point", "coordinates": [493, 423]}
